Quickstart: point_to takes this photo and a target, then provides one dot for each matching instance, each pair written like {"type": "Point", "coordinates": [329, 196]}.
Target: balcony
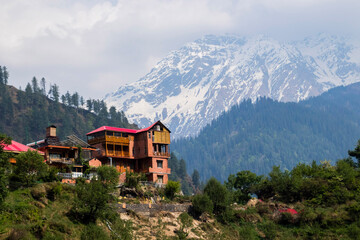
{"type": "Point", "coordinates": [71, 175]}
{"type": "Point", "coordinates": [163, 154]}
{"type": "Point", "coordinates": [114, 139]}
{"type": "Point", "coordinates": [159, 170]}
{"type": "Point", "coordinates": [62, 160]}
{"type": "Point", "coordinates": [112, 153]}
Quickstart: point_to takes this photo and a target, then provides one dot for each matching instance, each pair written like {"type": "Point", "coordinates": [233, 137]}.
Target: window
{"type": "Point", "coordinates": [160, 178]}
{"type": "Point", "coordinates": [149, 135]}
{"type": "Point", "coordinates": [159, 163]}
{"type": "Point", "coordinates": [53, 156]}
{"type": "Point", "coordinates": [124, 135]}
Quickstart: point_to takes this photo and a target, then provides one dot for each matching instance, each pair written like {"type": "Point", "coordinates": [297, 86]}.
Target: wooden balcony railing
{"type": "Point", "coordinates": [62, 160]}
{"type": "Point", "coordinates": [164, 154]}
{"type": "Point", "coordinates": [113, 153]}
{"type": "Point", "coordinates": [114, 139]}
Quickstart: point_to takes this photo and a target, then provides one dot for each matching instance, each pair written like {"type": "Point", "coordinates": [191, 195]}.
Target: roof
{"type": "Point", "coordinates": [125, 130]}
{"type": "Point", "coordinates": [115, 129]}
{"type": "Point", "coordinates": [18, 147]}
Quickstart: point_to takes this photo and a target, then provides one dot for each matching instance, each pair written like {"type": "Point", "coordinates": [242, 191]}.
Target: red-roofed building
{"type": "Point", "coordinates": [16, 148]}
{"type": "Point", "coordinates": [146, 150]}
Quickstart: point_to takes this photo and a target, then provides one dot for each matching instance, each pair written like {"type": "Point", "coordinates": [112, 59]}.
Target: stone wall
{"type": "Point", "coordinates": [150, 209]}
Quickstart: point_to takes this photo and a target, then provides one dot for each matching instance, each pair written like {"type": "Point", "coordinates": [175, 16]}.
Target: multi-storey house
{"type": "Point", "coordinates": [64, 154]}
{"type": "Point", "coordinates": [142, 151]}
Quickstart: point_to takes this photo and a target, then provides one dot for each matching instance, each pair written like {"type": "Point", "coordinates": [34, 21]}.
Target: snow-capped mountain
{"type": "Point", "coordinates": [193, 85]}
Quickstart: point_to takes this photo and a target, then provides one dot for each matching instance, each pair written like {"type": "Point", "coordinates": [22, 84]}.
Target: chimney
{"type": "Point", "coordinates": [51, 131]}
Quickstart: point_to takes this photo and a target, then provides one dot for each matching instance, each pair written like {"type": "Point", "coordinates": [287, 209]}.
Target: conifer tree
{"type": "Point", "coordinates": [5, 75]}
{"type": "Point", "coordinates": [43, 86]}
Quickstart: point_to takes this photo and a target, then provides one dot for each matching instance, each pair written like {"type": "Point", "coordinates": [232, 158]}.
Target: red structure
{"type": "Point", "coordinates": [17, 148]}
{"type": "Point", "coordinates": [143, 151]}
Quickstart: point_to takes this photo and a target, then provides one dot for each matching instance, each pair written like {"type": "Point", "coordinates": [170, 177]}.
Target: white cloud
{"type": "Point", "coordinates": [94, 46]}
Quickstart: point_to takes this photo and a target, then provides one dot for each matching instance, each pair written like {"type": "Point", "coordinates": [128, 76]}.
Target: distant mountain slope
{"type": "Point", "coordinates": [257, 136]}
{"type": "Point", "coordinates": [25, 116]}
{"type": "Point", "coordinates": [195, 84]}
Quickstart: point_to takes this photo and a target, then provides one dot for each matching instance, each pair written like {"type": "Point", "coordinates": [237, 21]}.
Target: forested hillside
{"type": "Point", "coordinates": [26, 114]}
{"type": "Point", "coordinates": [258, 136]}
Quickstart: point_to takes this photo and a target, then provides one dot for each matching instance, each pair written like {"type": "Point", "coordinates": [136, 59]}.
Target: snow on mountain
{"type": "Point", "coordinates": [193, 85]}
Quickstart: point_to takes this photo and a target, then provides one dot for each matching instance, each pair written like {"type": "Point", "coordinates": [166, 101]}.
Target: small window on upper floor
{"type": "Point", "coordinates": [125, 135]}
{"type": "Point", "coordinates": [149, 135]}
{"type": "Point", "coordinates": [159, 163]}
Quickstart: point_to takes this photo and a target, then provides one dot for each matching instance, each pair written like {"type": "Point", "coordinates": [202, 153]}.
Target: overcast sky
{"type": "Point", "coordinates": [93, 46]}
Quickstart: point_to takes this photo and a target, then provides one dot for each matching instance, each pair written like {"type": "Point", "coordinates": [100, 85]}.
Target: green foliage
{"type": "Point", "coordinates": [91, 201]}
{"type": "Point", "coordinates": [202, 203]}
{"type": "Point", "coordinates": [179, 173]}
{"type": "Point", "coordinates": [108, 174]}
{"type": "Point", "coordinates": [38, 111]}
{"type": "Point", "coordinates": [218, 194]}
{"type": "Point", "coordinates": [171, 189]}
{"type": "Point", "coordinates": [133, 179]}
{"type": "Point", "coordinates": [4, 167]}
{"type": "Point", "coordinates": [256, 136]}
{"type": "Point", "coordinates": [29, 167]}
{"type": "Point", "coordinates": [92, 232]}
{"type": "Point", "coordinates": [242, 185]}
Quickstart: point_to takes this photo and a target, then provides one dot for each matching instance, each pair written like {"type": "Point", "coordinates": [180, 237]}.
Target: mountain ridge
{"type": "Point", "coordinates": [257, 136]}
{"type": "Point", "coordinates": [195, 84]}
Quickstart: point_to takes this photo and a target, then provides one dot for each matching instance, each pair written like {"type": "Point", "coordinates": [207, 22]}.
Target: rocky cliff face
{"type": "Point", "coordinates": [193, 85]}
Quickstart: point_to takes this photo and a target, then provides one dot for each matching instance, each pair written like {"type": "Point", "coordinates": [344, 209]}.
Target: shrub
{"type": "Point", "coordinates": [202, 203]}
{"type": "Point", "coordinates": [92, 232]}
{"type": "Point", "coordinates": [108, 174]}
{"type": "Point", "coordinates": [54, 191]}
{"type": "Point", "coordinates": [171, 189]}
{"type": "Point", "coordinates": [218, 194]}
{"type": "Point", "coordinates": [30, 167]}
{"type": "Point", "coordinates": [133, 179]}
{"type": "Point", "coordinates": [90, 201]}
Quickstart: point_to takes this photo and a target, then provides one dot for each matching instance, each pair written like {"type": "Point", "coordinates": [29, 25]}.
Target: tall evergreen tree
{"type": "Point", "coordinates": [196, 179]}
{"type": "Point", "coordinates": [5, 75]}
{"type": "Point", "coordinates": [35, 85]}
{"type": "Point", "coordinates": [43, 86]}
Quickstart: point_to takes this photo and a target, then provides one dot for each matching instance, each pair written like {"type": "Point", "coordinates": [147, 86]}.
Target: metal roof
{"type": "Point", "coordinates": [125, 130]}
{"type": "Point", "coordinates": [18, 147]}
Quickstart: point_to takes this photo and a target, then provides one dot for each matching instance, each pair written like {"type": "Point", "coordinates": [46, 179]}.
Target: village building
{"type": "Point", "coordinates": [16, 148]}
{"type": "Point", "coordinates": [68, 155]}
{"type": "Point", "coordinates": [129, 150]}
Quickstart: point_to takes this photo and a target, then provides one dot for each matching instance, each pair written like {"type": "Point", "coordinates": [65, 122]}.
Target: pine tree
{"type": "Point", "coordinates": [196, 179]}
{"type": "Point", "coordinates": [82, 101]}
{"type": "Point", "coordinates": [5, 75]}
{"type": "Point", "coordinates": [89, 105]}
{"type": "Point", "coordinates": [75, 100]}
{"type": "Point", "coordinates": [43, 86]}
{"type": "Point", "coordinates": [68, 98]}
{"type": "Point", "coordinates": [35, 86]}
{"type": "Point", "coordinates": [1, 76]}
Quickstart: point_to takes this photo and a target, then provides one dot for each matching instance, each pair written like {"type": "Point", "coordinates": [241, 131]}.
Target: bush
{"type": "Point", "coordinates": [108, 174]}
{"type": "Point", "coordinates": [133, 179]}
{"type": "Point", "coordinates": [92, 232]}
{"type": "Point", "coordinates": [218, 194]}
{"type": "Point", "coordinates": [29, 167]}
{"type": "Point", "coordinates": [171, 189]}
{"type": "Point", "coordinates": [54, 191]}
{"type": "Point", "coordinates": [202, 203]}
{"type": "Point", "coordinates": [90, 201]}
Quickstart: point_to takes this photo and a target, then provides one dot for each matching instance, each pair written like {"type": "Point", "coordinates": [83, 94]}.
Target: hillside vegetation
{"type": "Point", "coordinates": [26, 114]}
{"type": "Point", "coordinates": [257, 136]}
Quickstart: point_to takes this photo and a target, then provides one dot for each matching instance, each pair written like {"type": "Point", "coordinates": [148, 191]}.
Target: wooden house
{"type": "Point", "coordinates": [64, 154]}
{"type": "Point", "coordinates": [142, 151]}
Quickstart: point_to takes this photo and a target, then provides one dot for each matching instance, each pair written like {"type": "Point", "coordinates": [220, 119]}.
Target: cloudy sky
{"type": "Point", "coordinates": [94, 46]}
